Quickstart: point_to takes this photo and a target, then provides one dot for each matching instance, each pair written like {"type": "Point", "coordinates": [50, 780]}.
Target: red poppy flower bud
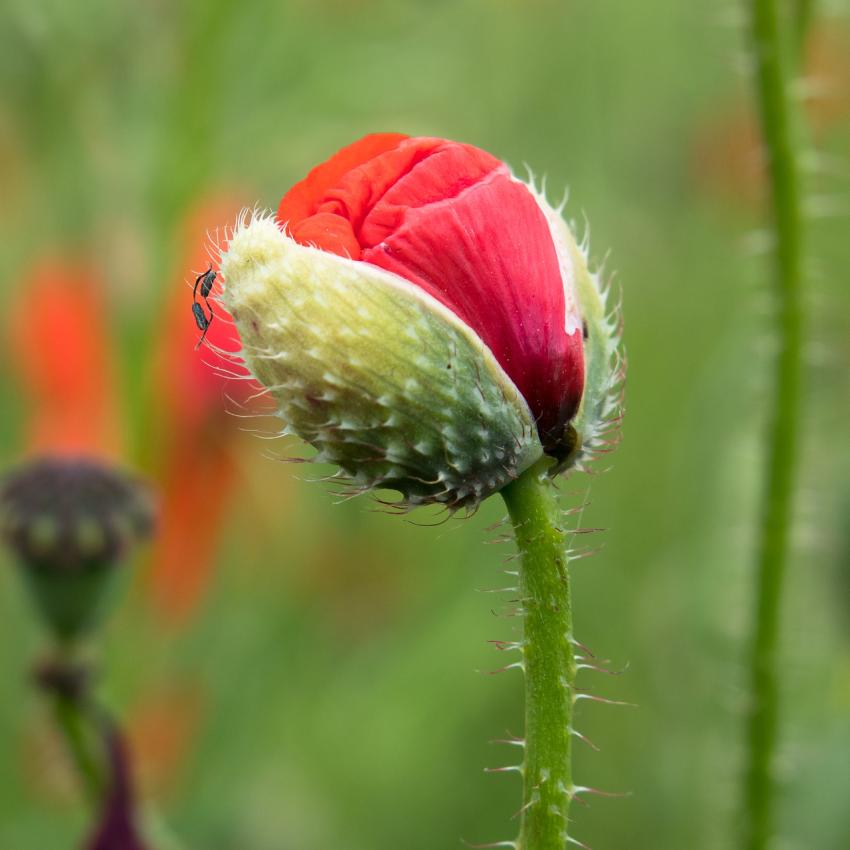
{"type": "Point", "coordinates": [424, 318]}
{"type": "Point", "coordinates": [455, 222]}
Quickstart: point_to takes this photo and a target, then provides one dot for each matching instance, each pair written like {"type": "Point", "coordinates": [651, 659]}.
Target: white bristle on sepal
{"type": "Point", "coordinates": [597, 420]}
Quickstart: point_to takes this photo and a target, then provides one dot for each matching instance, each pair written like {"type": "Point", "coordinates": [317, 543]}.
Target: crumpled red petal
{"type": "Point", "coordinates": [451, 219]}
{"type": "Point", "coordinates": [60, 348]}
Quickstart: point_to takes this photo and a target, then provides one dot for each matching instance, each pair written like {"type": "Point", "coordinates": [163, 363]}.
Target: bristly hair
{"type": "Point", "coordinates": [598, 419]}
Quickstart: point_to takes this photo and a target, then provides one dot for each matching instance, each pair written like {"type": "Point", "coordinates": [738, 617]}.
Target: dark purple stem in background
{"type": "Point", "coordinates": [117, 829]}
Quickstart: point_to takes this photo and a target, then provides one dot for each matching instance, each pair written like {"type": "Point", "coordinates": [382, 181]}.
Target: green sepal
{"type": "Point", "coordinates": [598, 412]}
{"type": "Point", "coordinates": [385, 382]}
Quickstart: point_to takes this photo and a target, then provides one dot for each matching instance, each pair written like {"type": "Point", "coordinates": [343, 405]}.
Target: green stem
{"type": "Point", "coordinates": [548, 660]}
{"type": "Point", "coordinates": [65, 680]}
{"type": "Point", "coordinates": [83, 746]}
{"type": "Point", "coordinates": [779, 130]}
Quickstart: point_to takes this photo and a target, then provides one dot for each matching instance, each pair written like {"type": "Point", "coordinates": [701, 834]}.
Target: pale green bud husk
{"type": "Point", "coordinates": [382, 379]}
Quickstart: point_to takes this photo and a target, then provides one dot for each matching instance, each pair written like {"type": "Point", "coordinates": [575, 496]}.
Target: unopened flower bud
{"type": "Point", "coordinates": [424, 319]}
{"type": "Point", "coordinates": [70, 521]}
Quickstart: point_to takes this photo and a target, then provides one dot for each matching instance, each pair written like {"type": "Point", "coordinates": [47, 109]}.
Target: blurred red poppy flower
{"type": "Point", "coordinates": [197, 466]}
{"type": "Point", "coordinates": [61, 349]}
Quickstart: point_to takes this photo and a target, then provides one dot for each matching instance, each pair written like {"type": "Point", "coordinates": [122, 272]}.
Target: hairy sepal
{"type": "Point", "coordinates": [599, 411]}
{"type": "Point", "coordinates": [382, 379]}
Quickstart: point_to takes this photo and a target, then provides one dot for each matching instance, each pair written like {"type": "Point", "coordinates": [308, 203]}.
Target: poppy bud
{"type": "Point", "coordinates": [424, 319]}
{"type": "Point", "coordinates": [70, 521]}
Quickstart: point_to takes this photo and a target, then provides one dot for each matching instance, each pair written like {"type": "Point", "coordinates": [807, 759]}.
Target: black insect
{"type": "Point", "coordinates": [201, 321]}
{"type": "Point", "coordinates": [205, 281]}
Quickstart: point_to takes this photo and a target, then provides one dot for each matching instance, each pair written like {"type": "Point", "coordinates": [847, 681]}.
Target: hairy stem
{"type": "Point", "coordinates": [771, 48]}
{"type": "Point", "coordinates": [548, 659]}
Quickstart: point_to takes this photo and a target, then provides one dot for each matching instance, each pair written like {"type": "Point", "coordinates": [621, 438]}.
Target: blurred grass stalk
{"type": "Point", "coordinates": [771, 46]}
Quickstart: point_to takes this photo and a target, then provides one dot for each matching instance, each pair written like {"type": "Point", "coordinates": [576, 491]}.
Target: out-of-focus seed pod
{"type": "Point", "coordinates": [70, 523]}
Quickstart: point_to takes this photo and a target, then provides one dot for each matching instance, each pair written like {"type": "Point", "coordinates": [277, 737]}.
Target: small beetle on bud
{"type": "Point", "coordinates": [70, 521]}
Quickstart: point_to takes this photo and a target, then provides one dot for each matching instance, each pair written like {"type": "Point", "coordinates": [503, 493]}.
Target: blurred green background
{"type": "Point", "coordinates": [323, 692]}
